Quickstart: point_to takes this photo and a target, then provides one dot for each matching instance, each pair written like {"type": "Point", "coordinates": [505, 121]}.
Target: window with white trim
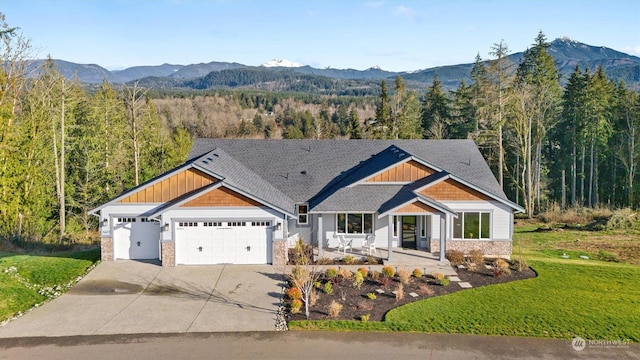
{"type": "Point", "coordinates": [303, 213]}
{"type": "Point", "coordinates": [472, 225]}
{"type": "Point", "coordinates": [354, 223]}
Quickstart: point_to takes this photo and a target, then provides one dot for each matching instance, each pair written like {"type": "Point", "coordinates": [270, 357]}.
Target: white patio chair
{"type": "Point", "coordinates": [344, 244]}
{"type": "Point", "coordinates": [369, 244]}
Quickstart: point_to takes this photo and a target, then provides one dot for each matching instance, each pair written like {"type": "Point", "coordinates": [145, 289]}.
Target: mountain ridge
{"type": "Point", "coordinates": [566, 52]}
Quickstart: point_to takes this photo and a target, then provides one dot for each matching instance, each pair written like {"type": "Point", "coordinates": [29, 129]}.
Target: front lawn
{"type": "Point", "coordinates": [27, 280]}
{"type": "Point", "coordinates": [565, 300]}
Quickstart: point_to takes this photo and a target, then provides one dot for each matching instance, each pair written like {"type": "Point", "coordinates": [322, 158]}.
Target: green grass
{"type": "Point", "coordinates": [40, 271]}
{"type": "Point", "coordinates": [570, 297]}
{"type": "Point", "coordinates": [565, 300]}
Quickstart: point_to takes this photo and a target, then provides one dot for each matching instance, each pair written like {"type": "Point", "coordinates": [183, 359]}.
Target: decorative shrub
{"type": "Point", "coordinates": [404, 276]}
{"type": "Point", "coordinates": [324, 261]}
{"type": "Point", "coordinates": [455, 257]}
{"type": "Point", "coordinates": [417, 273]}
{"type": "Point", "coordinates": [364, 318]}
{"type": "Point", "coordinates": [293, 293]}
{"type": "Point", "coordinates": [476, 257]}
{"type": "Point", "coordinates": [334, 309]}
{"type": "Point", "coordinates": [399, 292]}
{"type": "Point", "coordinates": [317, 285]}
{"type": "Point", "coordinates": [296, 305]}
{"type": "Point", "coordinates": [501, 267]}
{"type": "Point", "coordinates": [388, 271]}
{"type": "Point", "coordinates": [331, 273]}
{"type": "Point", "coordinates": [520, 263]}
{"type": "Point", "coordinates": [371, 296]}
{"type": "Point", "coordinates": [371, 260]}
{"type": "Point", "coordinates": [445, 281]}
{"type": "Point", "coordinates": [301, 254]}
{"type": "Point", "coordinates": [328, 287]}
{"type": "Point", "coordinates": [358, 279]}
{"type": "Point", "coordinates": [437, 276]}
{"type": "Point", "coordinates": [348, 260]}
{"type": "Point", "coordinates": [363, 271]}
{"type": "Point", "coordinates": [374, 275]}
{"type": "Point", "coordinates": [345, 274]}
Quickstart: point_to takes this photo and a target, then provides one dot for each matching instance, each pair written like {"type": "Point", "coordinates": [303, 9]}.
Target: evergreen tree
{"type": "Point", "coordinates": [435, 112]}
{"type": "Point", "coordinates": [382, 126]}
{"type": "Point", "coordinates": [355, 130]}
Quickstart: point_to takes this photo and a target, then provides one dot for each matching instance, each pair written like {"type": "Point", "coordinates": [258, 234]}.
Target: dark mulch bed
{"type": "Point", "coordinates": [356, 303]}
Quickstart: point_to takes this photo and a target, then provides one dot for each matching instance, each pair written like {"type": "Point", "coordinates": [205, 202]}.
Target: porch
{"type": "Point", "coordinates": [402, 258]}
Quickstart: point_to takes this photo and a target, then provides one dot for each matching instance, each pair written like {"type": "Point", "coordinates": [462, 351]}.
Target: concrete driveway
{"type": "Point", "coordinates": [127, 297]}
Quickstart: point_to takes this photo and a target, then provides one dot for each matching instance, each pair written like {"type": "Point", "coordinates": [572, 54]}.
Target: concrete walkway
{"type": "Point", "coordinates": [127, 297]}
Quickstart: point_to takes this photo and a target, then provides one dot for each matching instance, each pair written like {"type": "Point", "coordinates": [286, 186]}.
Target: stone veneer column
{"type": "Point", "coordinates": [168, 253]}
{"type": "Point", "coordinates": [491, 248]}
{"type": "Point", "coordinates": [106, 249]}
{"type": "Point", "coordinates": [280, 253]}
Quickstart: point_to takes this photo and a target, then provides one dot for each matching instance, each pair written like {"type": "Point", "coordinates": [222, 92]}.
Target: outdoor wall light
{"type": "Point", "coordinates": [278, 226]}
{"type": "Point", "coordinates": [165, 227]}
{"type": "Point", "coordinates": [105, 222]}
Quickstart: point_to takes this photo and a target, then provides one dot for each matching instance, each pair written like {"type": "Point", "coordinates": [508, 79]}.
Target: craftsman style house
{"type": "Point", "coordinates": [246, 201]}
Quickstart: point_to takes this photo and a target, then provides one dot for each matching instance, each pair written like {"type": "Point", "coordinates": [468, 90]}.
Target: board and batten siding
{"type": "Point", "coordinates": [452, 190]}
{"type": "Point", "coordinates": [171, 187]}
{"type": "Point", "coordinates": [406, 172]}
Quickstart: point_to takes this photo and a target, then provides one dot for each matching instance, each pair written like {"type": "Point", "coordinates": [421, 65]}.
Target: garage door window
{"type": "Point", "coordinates": [212, 223]}
{"type": "Point", "coordinates": [261, 223]}
{"type": "Point", "coordinates": [237, 223]}
{"type": "Point", "coordinates": [126, 220]}
{"type": "Point", "coordinates": [187, 224]}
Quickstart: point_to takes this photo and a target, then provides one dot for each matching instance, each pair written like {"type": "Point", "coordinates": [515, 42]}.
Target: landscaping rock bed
{"type": "Point", "coordinates": [376, 296]}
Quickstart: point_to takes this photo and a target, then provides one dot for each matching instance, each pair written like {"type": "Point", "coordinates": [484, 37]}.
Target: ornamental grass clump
{"type": "Point", "coordinates": [399, 292]}
{"type": "Point", "coordinates": [417, 273]}
{"type": "Point", "coordinates": [334, 309]}
{"type": "Point", "coordinates": [501, 267]}
{"type": "Point", "coordinates": [476, 257]}
{"type": "Point", "coordinates": [455, 257]}
{"type": "Point", "coordinates": [404, 276]}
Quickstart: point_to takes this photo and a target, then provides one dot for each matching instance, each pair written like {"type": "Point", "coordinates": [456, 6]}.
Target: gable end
{"type": "Point", "coordinates": [171, 187]}
{"type": "Point", "coordinates": [221, 197]}
{"type": "Point", "coordinates": [452, 190]}
{"type": "Point", "coordinates": [409, 171]}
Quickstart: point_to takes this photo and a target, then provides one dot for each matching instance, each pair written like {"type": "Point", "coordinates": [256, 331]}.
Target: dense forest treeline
{"type": "Point", "coordinates": [66, 147]}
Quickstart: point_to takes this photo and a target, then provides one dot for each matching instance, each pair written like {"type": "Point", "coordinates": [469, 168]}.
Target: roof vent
{"type": "Point", "coordinates": [401, 154]}
{"type": "Point", "coordinates": [303, 172]}
{"type": "Point", "coordinates": [210, 159]}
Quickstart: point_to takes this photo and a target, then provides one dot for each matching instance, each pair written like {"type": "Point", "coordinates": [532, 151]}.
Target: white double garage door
{"type": "Point", "coordinates": [222, 242]}
{"type": "Point", "coordinates": [196, 242]}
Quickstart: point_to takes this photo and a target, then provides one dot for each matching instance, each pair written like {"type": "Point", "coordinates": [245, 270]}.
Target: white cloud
{"type": "Point", "coordinates": [634, 50]}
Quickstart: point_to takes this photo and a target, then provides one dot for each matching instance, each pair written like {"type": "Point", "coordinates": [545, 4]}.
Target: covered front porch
{"type": "Point", "coordinates": [402, 258]}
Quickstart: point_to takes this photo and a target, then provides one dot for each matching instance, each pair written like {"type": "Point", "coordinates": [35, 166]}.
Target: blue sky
{"type": "Point", "coordinates": [395, 35]}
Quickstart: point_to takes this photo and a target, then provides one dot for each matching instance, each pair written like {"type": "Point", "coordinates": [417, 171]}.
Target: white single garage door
{"type": "Point", "coordinates": [222, 242]}
{"type": "Point", "coordinates": [136, 238]}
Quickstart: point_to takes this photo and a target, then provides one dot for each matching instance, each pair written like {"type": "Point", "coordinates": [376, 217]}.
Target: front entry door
{"type": "Point", "coordinates": [409, 233]}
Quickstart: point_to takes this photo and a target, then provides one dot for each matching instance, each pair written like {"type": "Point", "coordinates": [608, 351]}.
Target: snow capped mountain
{"type": "Point", "coordinates": [281, 63]}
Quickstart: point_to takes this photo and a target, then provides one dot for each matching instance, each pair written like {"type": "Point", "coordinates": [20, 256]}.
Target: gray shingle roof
{"type": "Point", "coordinates": [305, 169]}
{"type": "Point", "coordinates": [234, 173]}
